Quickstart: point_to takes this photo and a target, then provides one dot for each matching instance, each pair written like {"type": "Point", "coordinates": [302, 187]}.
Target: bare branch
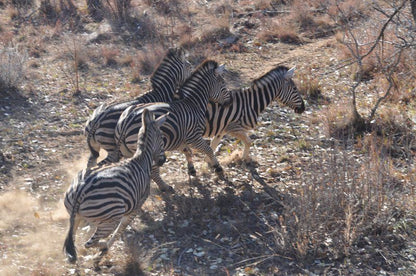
{"type": "Point", "coordinates": [381, 33]}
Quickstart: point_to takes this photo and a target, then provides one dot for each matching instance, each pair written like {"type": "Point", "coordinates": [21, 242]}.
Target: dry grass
{"type": "Point", "coordinates": [343, 201]}
{"type": "Point", "coordinates": [326, 200]}
{"type": "Point", "coordinates": [338, 118]}
{"type": "Point", "coordinates": [146, 61]}
{"type": "Point", "coordinates": [110, 56]}
{"type": "Point", "coordinates": [309, 86]}
{"type": "Point", "coordinates": [280, 31]}
{"type": "Point", "coordinates": [12, 67]}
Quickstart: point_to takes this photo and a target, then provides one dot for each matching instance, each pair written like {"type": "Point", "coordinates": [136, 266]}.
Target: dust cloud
{"type": "Point", "coordinates": [32, 232]}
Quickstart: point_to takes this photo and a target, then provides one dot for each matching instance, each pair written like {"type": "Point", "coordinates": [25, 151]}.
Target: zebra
{"type": "Point", "coordinates": [99, 130]}
{"type": "Point", "coordinates": [247, 103]}
{"type": "Point", "coordinates": [110, 197]}
{"type": "Point", "coordinates": [184, 126]}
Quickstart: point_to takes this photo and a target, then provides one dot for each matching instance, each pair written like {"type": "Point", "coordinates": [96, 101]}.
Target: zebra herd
{"type": "Point", "coordinates": [183, 108]}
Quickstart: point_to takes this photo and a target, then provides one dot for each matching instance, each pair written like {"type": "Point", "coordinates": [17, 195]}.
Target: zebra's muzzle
{"type": "Point", "coordinates": [300, 109]}
{"type": "Point", "coordinates": [162, 160]}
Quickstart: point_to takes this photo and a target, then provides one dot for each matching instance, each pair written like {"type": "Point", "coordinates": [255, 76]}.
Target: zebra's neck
{"type": "Point", "coordinates": [263, 92]}
{"type": "Point", "coordinates": [196, 95]}
{"type": "Point", "coordinates": [167, 84]}
{"type": "Point", "coordinates": [143, 157]}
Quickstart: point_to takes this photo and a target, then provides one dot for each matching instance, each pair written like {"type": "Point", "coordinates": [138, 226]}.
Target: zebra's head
{"type": "Point", "coordinates": [293, 97]}
{"type": "Point", "coordinates": [150, 136]}
{"type": "Point", "coordinates": [219, 92]}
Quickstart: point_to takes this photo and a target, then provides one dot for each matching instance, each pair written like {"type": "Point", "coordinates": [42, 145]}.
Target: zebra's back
{"type": "Point", "coordinates": [105, 193]}
{"type": "Point", "coordinates": [247, 104]}
{"type": "Point", "coordinates": [100, 128]}
{"type": "Point", "coordinates": [130, 123]}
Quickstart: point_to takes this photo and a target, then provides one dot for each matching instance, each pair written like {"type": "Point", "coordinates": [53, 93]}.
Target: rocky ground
{"type": "Point", "coordinates": [207, 226]}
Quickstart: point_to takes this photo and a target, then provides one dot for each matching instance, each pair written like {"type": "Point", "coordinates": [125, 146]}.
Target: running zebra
{"type": "Point", "coordinates": [184, 126]}
{"type": "Point", "coordinates": [109, 198]}
{"type": "Point", "coordinates": [99, 130]}
{"type": "Point", "coordinates": [247, 104]}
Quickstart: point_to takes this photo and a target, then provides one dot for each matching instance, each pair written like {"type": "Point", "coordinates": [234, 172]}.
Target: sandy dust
{"type": "Point", "coordinates": [32, 234]}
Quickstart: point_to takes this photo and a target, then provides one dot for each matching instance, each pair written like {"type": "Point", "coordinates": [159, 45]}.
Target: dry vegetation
{"type": "Point", "coordinates": [332, 191]}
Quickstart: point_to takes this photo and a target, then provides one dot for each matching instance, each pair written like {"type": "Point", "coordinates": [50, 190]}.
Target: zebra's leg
{"type": "Point", "coordinates": [159, 181]}
{"type": "Point", "coordinates": [103, 230]}
{"type": "Point", "coordinates": [126, 220]}
{"type": "Point", "coordinates": [216, 141]}
{"type": "Point", "coordinates": [203, 146]}
{"type": "Point", "coordinates": [188, 154]}
{"type": "Point", "coordinates": [246, 141]}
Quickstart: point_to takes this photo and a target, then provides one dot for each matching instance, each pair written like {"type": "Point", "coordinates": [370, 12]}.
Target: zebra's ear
{"type": "Point", "coordinates": [146, 117]}
{"type": "Point", "coordinates": [161, 120]}
{"type": "Point", "coordinates": [220, 69]}
{"type": "Point", "coordinates": [290, 72]}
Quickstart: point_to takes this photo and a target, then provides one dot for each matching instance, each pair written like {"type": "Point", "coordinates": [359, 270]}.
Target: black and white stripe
{"type": "Point", "coordinates": [247, 104]}
{"type": "Point", "coordinates": [184, 126]}
{"type": "Point", "coordinates": [109, 198]}
{"type": "Point", "coordinates": [99, 130]}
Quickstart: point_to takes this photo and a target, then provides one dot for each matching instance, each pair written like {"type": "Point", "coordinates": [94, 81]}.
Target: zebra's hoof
{"type": "Point", "coordinates": [192, 171]}
{"type": "Point", "coordinates": [71, 259]}
{"type": "Point", "coordinates": [220, 172]}
{"type": "Point", "coordinates": [103, 251]}
{"type": "Point", "coordinates": [97, 267]}
{"type": "Point", "coordinates": [167, 189]}
{"type": "Point", "coordinates": [218, 169]}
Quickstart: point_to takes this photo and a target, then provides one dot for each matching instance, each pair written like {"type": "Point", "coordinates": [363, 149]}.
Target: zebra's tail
{"type": "Point", "coordinates": [94, 153]}
{"type": "Point", "coordinates": [69, 245]}
{"type": "Point", "coordinates": [91, 127]}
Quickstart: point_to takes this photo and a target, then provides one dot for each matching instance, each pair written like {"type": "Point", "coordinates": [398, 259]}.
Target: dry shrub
{"type": "Point", "coordinates": [309, 86]}
{"type": "Point", "coordinates": [118, 11]}
{"type": "Point", "coordinates": [263, 4]}
{"type": "Point", "coordinates": [48, 10]}
{"type": "Point", "coordinates": [396, 130]}
{"type": "Point", "coordinates": [223, 8]}
{"type": "Point", "coordinates": [65, 11]}
{"type": "Point", "coordinates": [281, 31]}
{"type": "Point", "coordinates": [343, 200]}
{"type": "Point", "coordinates": [208, 40]}
{"type": "Point", "coordinates": [146, 61]}
{"type": "Point", "coordinates": [12, 67]}
{"type": "Point", "coordinates": [348, 10]}
{"type": "Point", "coordinates": [22, 7]}
{"type": "Point", "coordinates": [214, 34]}
{"type": "Point", "coordinates": [338, 120]}
{"type": "Point", "coordinates": [109, 55]}
{"type": "Point", "coordinates": [310, 23]}
{"type": "Point", "coordinates": [165, 7]}
{"type": "Point", "coordinates": [19, 4]}
{"type": "Point", "coordinates": [6, 37]}
{"type": "Point", "coordinates": [126, 60]}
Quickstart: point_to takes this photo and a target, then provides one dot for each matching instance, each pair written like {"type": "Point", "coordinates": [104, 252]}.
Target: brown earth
{"type": "Point", "coordinates": [207, 226]}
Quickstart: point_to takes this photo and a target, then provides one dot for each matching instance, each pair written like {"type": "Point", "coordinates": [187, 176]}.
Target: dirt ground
{"type": "Point", "coordinates": [208, 226]}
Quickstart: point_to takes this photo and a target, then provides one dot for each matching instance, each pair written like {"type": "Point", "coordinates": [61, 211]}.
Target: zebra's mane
{"type": "Point", "coordinates": [280, 70]}
{"type": "Point", "coordinates": [199, 71]}
{"type": "Point", "coordinates": [142, 140]}
{"type": "Point", "coordinates": [173, 53]}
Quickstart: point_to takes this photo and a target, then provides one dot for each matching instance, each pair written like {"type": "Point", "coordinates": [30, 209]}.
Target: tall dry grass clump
{"type": "Point", "coordinates": [347, 201]}
{"type": "Point", "coordinates": [12, 67]}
